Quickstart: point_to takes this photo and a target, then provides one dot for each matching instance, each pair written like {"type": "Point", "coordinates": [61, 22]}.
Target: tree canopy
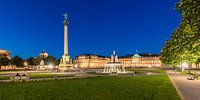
{"type": "Point", "coordinates": [18, 61]}
{"type": "Point", "coordinates": [50, 60]}
{"type": "Point", "coordinates": [37, 60]}
{"type": "Point", "coordinates": [4, 61]}
{"type": "Point", "coordinates": [184, 44]}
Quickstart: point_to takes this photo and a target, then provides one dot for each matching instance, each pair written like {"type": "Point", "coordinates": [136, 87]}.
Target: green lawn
{"type": "Point", "coordinates": [145, 70]}
{"type": "Point", "coordinates": [4, 77]}
{"type": "Point", "coordinates": [39, 75]}
{"type": "Point", "coordinates": [47, 75]}
{"type": "Point", "coordinates": [99, 88]}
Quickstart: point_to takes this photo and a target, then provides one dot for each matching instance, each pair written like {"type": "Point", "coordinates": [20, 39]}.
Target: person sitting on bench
{"type": "Point", "coordinates": [17, 74]}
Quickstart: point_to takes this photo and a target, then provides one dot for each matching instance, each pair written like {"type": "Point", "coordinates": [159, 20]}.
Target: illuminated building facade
{"type": "Point", "coordinates": [135, 60]}
{"type": "Point", "coordinates": [4, 53]}
{"type": "Point", "coordinates": [141, 60]}
{"type": "Point", "coordinates": [90, 61]}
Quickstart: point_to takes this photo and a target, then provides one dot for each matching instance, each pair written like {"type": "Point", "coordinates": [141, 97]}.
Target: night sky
{"type": "Point", "coordinates": [95, 26]}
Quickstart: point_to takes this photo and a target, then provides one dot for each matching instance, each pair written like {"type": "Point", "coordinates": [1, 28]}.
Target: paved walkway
{"type": "Point", "coordinates": [188, 89]}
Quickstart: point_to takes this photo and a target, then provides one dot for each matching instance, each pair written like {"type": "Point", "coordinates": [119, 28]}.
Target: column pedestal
{"type": "Point", "coordinates": [65, 63]}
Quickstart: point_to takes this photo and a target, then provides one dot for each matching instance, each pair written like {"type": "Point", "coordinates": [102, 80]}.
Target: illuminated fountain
{"type": "Point", "coordinates": [114, 66]}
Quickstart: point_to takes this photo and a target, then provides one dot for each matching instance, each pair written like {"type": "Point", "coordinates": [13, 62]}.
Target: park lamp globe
{"type": "Point", "coordinates": [25, 64]}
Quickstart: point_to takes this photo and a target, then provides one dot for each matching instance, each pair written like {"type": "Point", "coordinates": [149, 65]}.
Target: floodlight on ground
{"type": "Point", "coordinates": [184, 65]}
{"type": "Point", "coordinates": [50, 66]}
{"type": "Point", "coordinates": [76, 66]}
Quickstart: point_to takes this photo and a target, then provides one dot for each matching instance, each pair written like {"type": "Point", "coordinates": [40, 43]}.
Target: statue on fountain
{"type": "Point", "coordinates": [114, 66]}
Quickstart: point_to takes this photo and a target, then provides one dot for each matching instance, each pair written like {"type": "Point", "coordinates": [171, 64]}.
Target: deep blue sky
{"type": "Point", "coordinates": [96, 26]}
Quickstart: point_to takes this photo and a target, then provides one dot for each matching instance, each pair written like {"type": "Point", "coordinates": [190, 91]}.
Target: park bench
{"type": "Point", "coordinates": [18, 77]}
{"type": "Point", "coordinates": [24, 77]}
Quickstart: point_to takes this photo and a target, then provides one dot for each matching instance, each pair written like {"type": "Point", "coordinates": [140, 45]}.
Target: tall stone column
{"type": "Point", "coordinates": [65, 63]}
{"type": "Point", "coordinates": [65, 39]}
{"type": "Point", "coordinates": [66, 58]}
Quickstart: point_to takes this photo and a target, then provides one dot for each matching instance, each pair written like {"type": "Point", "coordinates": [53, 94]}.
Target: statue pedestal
{"type": "Point", "coordinates": [65, 63]}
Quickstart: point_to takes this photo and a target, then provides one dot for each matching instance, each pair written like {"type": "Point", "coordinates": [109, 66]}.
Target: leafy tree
{"type": "Point", "coordinates": [50, 60]}
{"type": "Point", "coordinates": [30, 60]}
{"type": "Point", "coordinates": [197, 62]}
{"type": "Point", "coordinates": [18, 61]}
{"type": "Point", "coordinates": [185, 42]}
{"type": "Point", "coordinates": [36, 60]}
{"type": "Point", "coordinates": [4, 61]}
{"type": "Point", "coordinates": [58, 61]}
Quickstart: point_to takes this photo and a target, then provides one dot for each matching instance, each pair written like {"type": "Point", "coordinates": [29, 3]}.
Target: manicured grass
{"type": "Point", "coordinates": [145, 70]}
{"type": "Point", "coordinates": [4, 77]}
{"type": "Point", "coordinates": [184, 72]}
{"type": "Point", "coordinates": [46, 75]}
{"type": "Point", "coordinates": [99, 88]}
{"type": "Point", "coordinates": [39, 75]}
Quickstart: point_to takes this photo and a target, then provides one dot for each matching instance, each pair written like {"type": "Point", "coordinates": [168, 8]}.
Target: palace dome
{"type": "Point", "coordinates": [136, 56]}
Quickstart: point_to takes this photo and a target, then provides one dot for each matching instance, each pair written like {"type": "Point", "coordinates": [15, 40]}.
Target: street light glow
{"type": "Point", "coordinates": [25, 64]}
{"type": "Point", "coordinates": [50, 66]}
{"type": "Point", "coordinates": [184, 65]}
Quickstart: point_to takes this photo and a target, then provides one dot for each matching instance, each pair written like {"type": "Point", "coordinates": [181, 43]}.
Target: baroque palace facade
{"type": "Point", "coordinates": [4, 53]}
{"type": "Point", "coordinates": [134, 60]}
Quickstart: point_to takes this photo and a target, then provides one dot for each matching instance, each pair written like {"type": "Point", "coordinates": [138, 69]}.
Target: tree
{"type": "Point", "coordinates": [30, 60]}
{"type": "Point", "coordinates": [18, 61]}
{"type": "Point", "coordinates": [4, 61]}
{"type": "Point", "coordinates": [58, 61]}
{"type": "Point", "coordinates": [50, 60]}
{"type": "Point", "coordinates": [185, 42]}
{"type": "Point", "coordinates": [197, 62]}
{"type": "Point", "coordinates": [37, 60]}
